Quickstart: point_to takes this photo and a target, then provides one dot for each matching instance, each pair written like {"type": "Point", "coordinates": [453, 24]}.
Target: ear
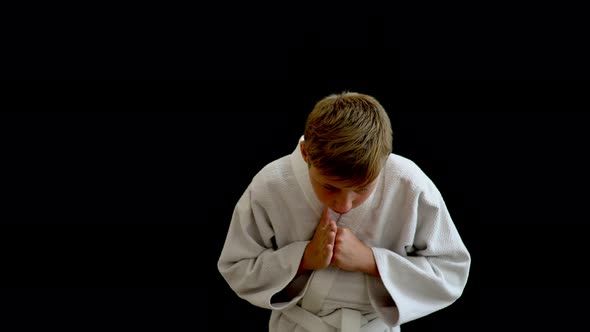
{"type": "Point", "coordinates": [303, 152]}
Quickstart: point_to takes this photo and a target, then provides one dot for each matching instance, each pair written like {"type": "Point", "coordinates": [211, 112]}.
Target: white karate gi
{"type": "Point", "coordinates": [422, 260]}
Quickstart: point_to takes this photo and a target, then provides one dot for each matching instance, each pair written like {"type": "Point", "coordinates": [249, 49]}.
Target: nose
{"type": "Point", "coordinates": [343, 202]}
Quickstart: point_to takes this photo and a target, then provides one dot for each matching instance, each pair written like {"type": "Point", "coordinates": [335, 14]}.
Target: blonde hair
{"type": "Point", "coordinates": [348, 135]}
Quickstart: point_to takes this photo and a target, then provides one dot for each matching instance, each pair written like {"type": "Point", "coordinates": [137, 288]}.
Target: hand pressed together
{"type": "Point", "coordinates": [338, 246]}
{"type": "Point", "coordinates": [351, 254]}
{"type": "Point", "coordinates": [319, 251]}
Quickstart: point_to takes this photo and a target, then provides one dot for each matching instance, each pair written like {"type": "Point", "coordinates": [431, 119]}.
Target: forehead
{"type": "Point", "coordinates": [331, 180]}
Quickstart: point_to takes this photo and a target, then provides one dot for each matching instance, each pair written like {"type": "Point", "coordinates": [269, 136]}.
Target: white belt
{"type": "Point", "coordinates": [344, 320]}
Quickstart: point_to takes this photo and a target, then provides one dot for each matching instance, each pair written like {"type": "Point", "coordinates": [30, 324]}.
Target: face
{"type": "Point", "coordinates": [335, 193]}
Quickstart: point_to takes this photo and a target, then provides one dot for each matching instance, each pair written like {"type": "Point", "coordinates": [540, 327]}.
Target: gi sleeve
{"type": "Point", "coordinates": [250, 261]}
{"type": "Point", "coordinates": [432, 272]}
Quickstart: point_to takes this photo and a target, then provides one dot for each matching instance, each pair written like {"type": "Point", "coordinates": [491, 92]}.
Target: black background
{"type": "Point", "coordinates": [123, 159]}
{"type": "Point", "coordinates": [116, 205]}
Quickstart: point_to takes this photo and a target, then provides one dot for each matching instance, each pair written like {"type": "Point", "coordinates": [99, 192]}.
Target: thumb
{"type": "Point", "coordinates": [326, 217]}
{"type": "Point", "coordinates": [333, 215]}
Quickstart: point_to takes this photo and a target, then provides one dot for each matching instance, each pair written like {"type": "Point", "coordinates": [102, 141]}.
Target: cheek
{"type": "Point", "coordinates": [359, 199]}
{"type": "Point", "coordinates": [322, 195]}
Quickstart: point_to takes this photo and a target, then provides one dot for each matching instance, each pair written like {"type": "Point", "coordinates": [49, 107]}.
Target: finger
{"type": "Point", "coordinates": [324, 242]}
{"type": "Point", "coordinates": [333, 215]}
{"type": "Point", "coordinates": [325, 236]}
{"type": "Point", "coordinates": [339, 235]}
{"type": "Point", "coordinates": [331, 236]}
{"type": "Point", "coordinates": [333, 259]}
{"type": "Point", "coordinates": [333, 226]}
{"type": "Point", "coordinates": [325, 216]}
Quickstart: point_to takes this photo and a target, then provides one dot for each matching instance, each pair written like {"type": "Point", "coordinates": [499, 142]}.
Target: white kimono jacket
{"type": "Point", "coordinates": [422, 261]}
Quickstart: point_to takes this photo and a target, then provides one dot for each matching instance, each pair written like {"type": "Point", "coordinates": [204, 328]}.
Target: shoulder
{"type": "Point", "coordinates": [273, 176]}
{"type": "Point", "coordinates": [408, 174]}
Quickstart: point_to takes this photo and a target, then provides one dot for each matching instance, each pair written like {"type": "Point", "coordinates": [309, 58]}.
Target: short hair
{"type": "Point", "coordinates": [348, 135]}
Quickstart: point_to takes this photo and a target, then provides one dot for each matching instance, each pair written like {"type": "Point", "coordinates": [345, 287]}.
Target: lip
{"type": "Point", "coordinates": [338, 212]}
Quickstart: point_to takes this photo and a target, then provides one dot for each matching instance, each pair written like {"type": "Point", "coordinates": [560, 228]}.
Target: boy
{"type": "Point", "coordinates": [344, 235]}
